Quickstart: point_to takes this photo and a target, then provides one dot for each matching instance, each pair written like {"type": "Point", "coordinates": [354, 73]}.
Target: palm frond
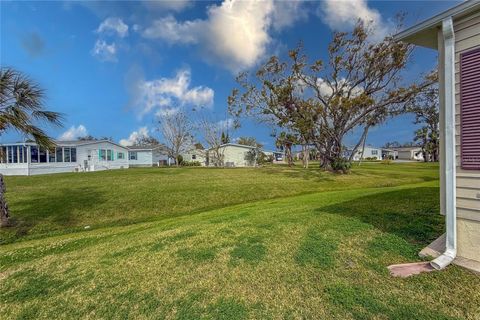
{"type": "Point", "coordinates": [22, 107]}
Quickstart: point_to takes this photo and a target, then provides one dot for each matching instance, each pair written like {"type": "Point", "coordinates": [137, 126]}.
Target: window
{"type": "Point", "coordinates": [42, 154]}
{"type": "Point", "coordinates": [120, 155]}
{"type": "Point", "coordinates": [51, 155]}
{"type": "Point", "coordinates": [132, 155]}
{"type": "Point", "coordinates": [374, 152]}
{"type": "Point", "coordinates": [34, 154]}
{"type": "Point", "coordinates": [470, 109]}
{"type": "Point", "coordinates": [194, 156]}
{"type": "Point", "coordinates": [73, 154]}
{"type": "Point", "coordinates": [102, 154]}
{"type": "Point", "coordinates": [66, 154]}
{"type": "Point", "coordinates": [109, 155]}
{"type": "Point", "coordinates": [59, 154]}
{"type": "Point", "coordinates": [15, 154]}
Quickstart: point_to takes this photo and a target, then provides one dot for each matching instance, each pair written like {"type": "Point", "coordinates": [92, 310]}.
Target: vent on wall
{"type": "Point", "coordinates": [470, 109]}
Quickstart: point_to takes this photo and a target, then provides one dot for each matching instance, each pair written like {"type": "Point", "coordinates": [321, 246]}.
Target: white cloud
{"type": "Point", "coordinates": [164, 92]}
{"type": "Point", "coordinates": [166, 5]}
{"type": "Point", "coordinates": [235, 34]}
{"type": "Point", "coordinates": [172, 31]}
{"type": "Point", "coordinates": [113, 25]}
{"type": "Point", "coordinates": [104, 51]}
{"type": "Point", "coordinates": [167, 112]}
{"type": "Point", "coordinates": [326, 90]}
{"type": "Point", "coordinates": [343, 14]}
{"type": "Point", "coordinates": [225, 124]}
{"type": "Point", "coordinates": [286, 13]}
{"type": "Point", "coordinates": [135, 136]}
{"type": "Point", "coordinates": [74, 133]}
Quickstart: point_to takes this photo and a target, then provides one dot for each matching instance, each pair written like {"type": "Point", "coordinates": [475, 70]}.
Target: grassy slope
{"type": "Point", "coordinates": [44, 205]}
{"type": "Point", "coordinates": [319, 255]}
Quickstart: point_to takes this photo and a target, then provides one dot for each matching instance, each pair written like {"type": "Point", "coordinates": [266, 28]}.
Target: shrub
{"type": "Point", "coordinates": [191, 163]}
{"type": "Point", "coordinates": [180, 160]}
{"type": "Point", "coordinates": [341, 165]}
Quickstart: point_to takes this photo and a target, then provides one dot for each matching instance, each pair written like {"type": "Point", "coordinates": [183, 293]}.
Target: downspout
{"type": "Point", "coordinates": [450, 162]}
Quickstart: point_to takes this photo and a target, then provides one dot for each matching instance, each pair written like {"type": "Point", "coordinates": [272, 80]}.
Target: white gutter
{"type": "Point", "coordinates": [450, 162]}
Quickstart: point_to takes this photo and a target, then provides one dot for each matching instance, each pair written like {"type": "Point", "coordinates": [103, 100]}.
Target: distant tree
{"type": "Point", "coordinates": [87, 138]}
{"type": "Point", "coordinates": [146, 141]}
{"type": "Point", "coordinates": [176, 130]}
{"type": "Point", "coordinates": [225, 138]}
{"type": "Point", "coordinates": [393, 144]}
{"type": "Point", "coordinates": [212, 135]}
{"type": "Point", "coordinates": [426, 110]}
{"type": "Point", "coordinates": [285, 141]}
{"type": "Point", "coordinates": [21, 108]}
{"type": "Point", "coordinates": [106, 138]}
{"type": "Point", "coordinates": [198, 146]}
{"type": "Point", "coordinates": [358, 87]}
{"type": "Point", "coordinates": [249, 141]}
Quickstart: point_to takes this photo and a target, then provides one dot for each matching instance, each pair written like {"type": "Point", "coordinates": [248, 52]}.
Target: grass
{"type": "Point", "coordinates": [62, 203]}
{"type": "Point", "coordinates": [296, 246]}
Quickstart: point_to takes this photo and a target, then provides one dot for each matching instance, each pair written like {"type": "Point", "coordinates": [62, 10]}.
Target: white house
{"type": "Point", "coordinates": [28, 158]}
{"type": "Point", "coordinates": [409, 153]}
{"type": "Point", "coordinates": [148, 156]}
{"type": "Point", "coordinates": [369, 152]}
{"type": "Point", "coordinates": [234, 155]}
{"type": "Point", "coordinates": [455, 34]}
{"type": "Point", "coordinates": [196, 154]}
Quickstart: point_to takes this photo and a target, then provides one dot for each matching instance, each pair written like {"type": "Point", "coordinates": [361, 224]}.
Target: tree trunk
{"type": "Point", "coordinates": [4, 213]}
{"type": "Point", "coordinates": [363, 146]}
{"type": "Point", "coordinates": [305, 156]}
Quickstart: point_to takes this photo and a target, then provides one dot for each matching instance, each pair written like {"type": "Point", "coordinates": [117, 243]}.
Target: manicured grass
{"type": "Point", "coordinates": [300, 252]}
{"type": "Point", "coordinates": [59, 203]}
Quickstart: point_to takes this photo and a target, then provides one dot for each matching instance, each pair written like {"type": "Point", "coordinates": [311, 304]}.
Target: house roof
{"type": "Point", "coordinates": [145, 148]}
{"type": "Point", "coordinates": [407, 148]}
{"type": "Point", "coordinates": [425, 33]}
{"type": "Point", "coordinates": [72, 143]}
{"type": "Point", "coordinates": [237, 145]}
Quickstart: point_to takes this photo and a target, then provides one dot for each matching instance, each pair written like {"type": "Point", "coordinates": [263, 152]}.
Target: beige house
{"type": "Point", "coordinates": [456, 35]}
{"type": "Point", "coordinates": [233, 155]}
{"type": "Point", "coordinates": [409, 153]}
{"type": "Point", "coordinates": [195, 155]}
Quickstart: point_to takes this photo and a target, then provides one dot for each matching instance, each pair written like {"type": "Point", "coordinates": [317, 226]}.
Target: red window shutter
{"type": "Point", "coordinates": [470, 109]}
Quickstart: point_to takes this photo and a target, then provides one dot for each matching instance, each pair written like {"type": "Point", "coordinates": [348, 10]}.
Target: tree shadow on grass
{"type": "Point", "coordinates": [54, 210]}
{"type": "Point", "coordinates": [412, 214]}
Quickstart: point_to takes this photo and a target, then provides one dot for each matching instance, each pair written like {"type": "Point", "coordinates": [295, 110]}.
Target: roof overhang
{"type": "Point", "coordinates": [425, 33]}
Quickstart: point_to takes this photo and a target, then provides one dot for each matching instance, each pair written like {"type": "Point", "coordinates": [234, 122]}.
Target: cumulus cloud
{"type": "Point", "coordinates": [167, 112]}
{"type": "Point", "coordinates": [113, 25]}
{"type": "Point", "coordinates": [235, 34]}
{"type": "Point", "coordinates": [225, 124]}
{"type": "Point", "coordinates": [166, 5]}
{"type": "Point", "coordinates": [326, 90]}
{"type": "Point", "coordinates": [73, 133]}
{"type": "Point", "coordinates": [343, 14]}
{"type": "Point", "coordinates": [162, 93]}
{"type": "Point", "coordinates": [104, 51]}
{"type": "Point", "coordinates": [172, 31]}
{"type": "Point", "coordinates": [33, 43]}
{"type": "Point", "coordinates": [135, 136]}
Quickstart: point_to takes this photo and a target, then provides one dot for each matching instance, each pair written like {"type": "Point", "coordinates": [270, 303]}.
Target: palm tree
{"type": "Point", "coordinates": [21, 109]}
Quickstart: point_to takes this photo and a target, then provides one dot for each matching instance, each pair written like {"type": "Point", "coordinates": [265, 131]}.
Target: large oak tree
{"type": "Point", "coordinates": [357, 87]}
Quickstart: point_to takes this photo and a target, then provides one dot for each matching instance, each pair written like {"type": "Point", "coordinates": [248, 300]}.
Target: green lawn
{"type": "Point", "coordinates": [269, 243]}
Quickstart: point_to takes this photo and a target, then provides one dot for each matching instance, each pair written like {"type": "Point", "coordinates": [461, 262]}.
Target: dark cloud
{"type": "Point", "coordinates": [33, 44]}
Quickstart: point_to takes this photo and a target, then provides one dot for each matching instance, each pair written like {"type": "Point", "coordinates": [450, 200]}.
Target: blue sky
{"type": "Point", "coordinates": [113, 67]}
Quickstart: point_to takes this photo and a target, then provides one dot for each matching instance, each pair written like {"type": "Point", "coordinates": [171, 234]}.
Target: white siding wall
{"type": "Point", "coordinates": [236, 155]}
{"type": "Point", "coordinates": [144, 158]}
{"type": "Point", "coordinates": [94, 163]}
